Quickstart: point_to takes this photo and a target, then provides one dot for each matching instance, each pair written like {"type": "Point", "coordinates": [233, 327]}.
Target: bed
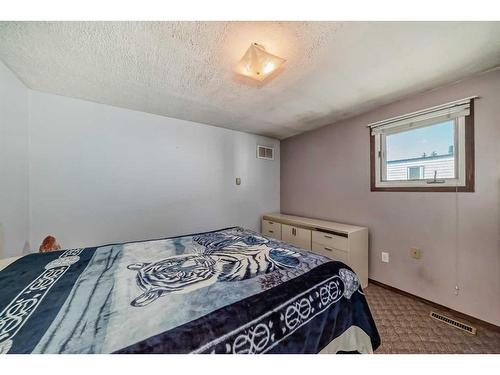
{"type": "Point", "coordinates": [225, 291]}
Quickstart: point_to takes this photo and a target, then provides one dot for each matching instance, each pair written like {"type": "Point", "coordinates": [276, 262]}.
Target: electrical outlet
{"type": "Point", "coordinates": [415, 253]}
{"type": "Point", "coordinates": [238, 181]}
{"type": "Point", "coordinates": [385, 257]}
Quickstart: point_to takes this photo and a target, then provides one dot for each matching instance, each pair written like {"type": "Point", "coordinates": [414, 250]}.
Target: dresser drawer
{"type": "Point", "coordinates": [337, 241]}
{"type": "Point", "coordinates": [331, 252]}
{"type": "Point", "coordinates": [330, 240]}
{"type": "Point", "coordinates": [299, 237]}
{"type": "Point", "coordinates": [271, 229]}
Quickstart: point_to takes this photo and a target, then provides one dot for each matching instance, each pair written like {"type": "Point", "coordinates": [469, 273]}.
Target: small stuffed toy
{"type": "Point", "coordinates": [49, 244]}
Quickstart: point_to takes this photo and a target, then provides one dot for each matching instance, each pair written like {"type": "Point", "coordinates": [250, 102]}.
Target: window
{"type": "Point", "coordinates": [428, 150]}
{"type": "Point", "coordinates": [415, 173]}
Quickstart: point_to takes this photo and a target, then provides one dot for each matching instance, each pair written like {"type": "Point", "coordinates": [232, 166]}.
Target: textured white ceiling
{"type": "Point", "coordinates": [185, 69]}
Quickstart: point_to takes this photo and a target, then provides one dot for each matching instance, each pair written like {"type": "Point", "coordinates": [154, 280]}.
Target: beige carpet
{"type": "Point", "coordinates": [405, 327]}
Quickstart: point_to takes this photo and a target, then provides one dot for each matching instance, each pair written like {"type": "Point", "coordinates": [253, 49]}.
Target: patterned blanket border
{"type": "Point", "coordinates": [18, 311]}
{"type": "Point", "coordinates": [261, 334]}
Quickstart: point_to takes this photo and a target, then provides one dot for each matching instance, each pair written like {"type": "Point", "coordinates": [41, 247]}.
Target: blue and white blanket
{"type": "Point", "coordinates": [227, 291]}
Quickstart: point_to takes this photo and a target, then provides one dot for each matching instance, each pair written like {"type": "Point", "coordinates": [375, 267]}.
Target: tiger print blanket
{"type": "Point", "coordinates": [226, 291]}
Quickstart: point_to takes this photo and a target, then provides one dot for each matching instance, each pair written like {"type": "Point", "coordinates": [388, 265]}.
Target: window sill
{"type": "Point", "coordinates": [444, 189]}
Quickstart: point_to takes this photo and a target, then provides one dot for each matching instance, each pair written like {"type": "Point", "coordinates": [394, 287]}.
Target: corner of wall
{"type": "Point", "coordinates": [27, 248]}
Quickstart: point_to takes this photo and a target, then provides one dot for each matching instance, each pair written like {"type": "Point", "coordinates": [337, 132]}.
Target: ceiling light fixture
{"type": "Point", "coordinates": [257, 63]}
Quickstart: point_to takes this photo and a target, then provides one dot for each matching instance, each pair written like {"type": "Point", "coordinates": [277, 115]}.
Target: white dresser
{"type": "Point", "coordinates": [344, 242]}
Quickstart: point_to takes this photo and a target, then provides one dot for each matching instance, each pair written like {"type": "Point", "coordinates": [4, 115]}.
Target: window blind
{"type": "Point", "coordinates": [447, 111]}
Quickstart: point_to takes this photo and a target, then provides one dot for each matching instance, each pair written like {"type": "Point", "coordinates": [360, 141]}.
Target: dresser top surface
{"type": "Point", "coordinates": [314, 223]}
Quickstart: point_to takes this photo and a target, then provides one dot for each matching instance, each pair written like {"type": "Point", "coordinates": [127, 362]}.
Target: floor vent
{"type": "Point", "coordinates": [455, 323]}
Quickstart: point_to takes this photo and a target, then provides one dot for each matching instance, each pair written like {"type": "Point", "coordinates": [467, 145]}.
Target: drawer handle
{"type": "Point", "coordinates": [328, 236]}
{"type": "Point", "coordinates": [271, 231]}
{"type": "Point", "coordinates": [270, 222]}
{"type": "Point", "coordinates": [328, 248]}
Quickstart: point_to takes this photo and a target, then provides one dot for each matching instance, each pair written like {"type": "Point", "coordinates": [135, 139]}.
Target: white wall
{"type": "Point", "coordinates": [14, 219]}
{"type": "Point", "coordinates": [101, 174]}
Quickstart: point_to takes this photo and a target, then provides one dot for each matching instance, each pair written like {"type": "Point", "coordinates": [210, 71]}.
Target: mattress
{"type": "Point", "coordinates": [225, 291]}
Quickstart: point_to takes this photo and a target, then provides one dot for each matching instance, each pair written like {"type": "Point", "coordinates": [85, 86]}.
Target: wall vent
{"type": "Point", "coordinates": [264, 152]}
{"type": "Point", "coordinates": [454, 323]}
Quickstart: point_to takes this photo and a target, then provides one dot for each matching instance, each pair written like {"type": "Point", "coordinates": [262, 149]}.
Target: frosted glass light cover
{"type": "Point", "coordinates": [258, 64]}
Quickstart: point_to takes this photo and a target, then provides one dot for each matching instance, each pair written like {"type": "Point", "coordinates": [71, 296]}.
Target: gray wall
{"type": "Point", "coordinates": [92, 174]}
{"type": "Point", "coordinates": [325, 174]}
{"type": "Point", "coordinates": [14, 220]}
{"type": "Point", "coordinates": [102, 174]}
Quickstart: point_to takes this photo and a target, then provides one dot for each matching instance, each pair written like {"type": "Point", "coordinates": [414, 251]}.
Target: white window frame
{"type": "Point", "coordinates": [456, 111]}
{"type": "Point", "coordinates": [459, 153]}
